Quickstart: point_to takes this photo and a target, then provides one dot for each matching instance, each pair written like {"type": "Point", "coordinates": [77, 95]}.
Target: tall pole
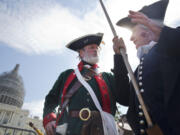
{"type": "Point", "coordinates": [129, 69]}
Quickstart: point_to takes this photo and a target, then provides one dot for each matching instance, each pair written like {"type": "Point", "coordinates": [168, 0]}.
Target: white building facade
{"type": "Point", "coordinates": [11, 100]}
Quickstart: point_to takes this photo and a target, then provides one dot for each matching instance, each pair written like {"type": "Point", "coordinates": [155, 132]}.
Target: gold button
{"type": "Point", "coordinates": [142, 90]}
{"type": "Point", "coordinates": [141, 122]}
{"type": "Point", "coordinates": [140, 114]}
{"type": "Point", "coordinates": [140, 83]}
{"type": "Point", "coordinates": [142, 131]}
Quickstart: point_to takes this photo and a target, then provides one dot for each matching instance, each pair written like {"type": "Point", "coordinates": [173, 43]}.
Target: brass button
{"type": "Point", "coordinates": [140, 83]}
{"type": "Point", "coordinates": [140, 73]}
{"type": "Point", "coordinates": [140, 114]}
{"type": "Point", "coordinates": [142, 131]}
{"type": "Point", "coordinates": [142, 90]}
{"type": "Point", "coordinates": [141, 122]}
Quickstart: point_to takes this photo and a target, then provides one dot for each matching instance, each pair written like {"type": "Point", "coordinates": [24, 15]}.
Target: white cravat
{"type": "Point", "coordinates": [145, 49]}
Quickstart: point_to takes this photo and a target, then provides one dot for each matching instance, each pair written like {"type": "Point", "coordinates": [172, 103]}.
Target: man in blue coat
{"type": "Point", "coordinates": [168, 45]}
{"type": "Point", "coordinates": [157, 73]}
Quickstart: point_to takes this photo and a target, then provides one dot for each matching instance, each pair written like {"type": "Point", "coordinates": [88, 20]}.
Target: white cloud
{"type": "Point", "coordinates": [34, 28]}
{"type": "Point", "coordinates": [172, 18]}
{"type": "Point", "coordinates": [35, 108]}
{"type": "Point", "coordinates": [44, 26]}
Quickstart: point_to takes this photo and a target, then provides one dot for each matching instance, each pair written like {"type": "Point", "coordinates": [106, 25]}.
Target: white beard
{"type": "Point", "coordinates": [91, 60]}
{"type": "Point", "coordinates": [145, 49]}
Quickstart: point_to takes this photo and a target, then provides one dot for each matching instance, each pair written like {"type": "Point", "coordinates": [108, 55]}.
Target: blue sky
{"type": "Point", "coordinates": [35, 69]}
{"type": "Point", "coordinates": [34, 34]}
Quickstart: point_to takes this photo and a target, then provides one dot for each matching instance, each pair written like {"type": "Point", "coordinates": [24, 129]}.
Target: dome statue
{"type": "Point", "coordinates": [11, 88]}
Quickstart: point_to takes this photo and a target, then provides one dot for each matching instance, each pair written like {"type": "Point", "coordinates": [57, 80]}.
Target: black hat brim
{"type": "Point", "coordinates": [83, 41]}
{"type": "Point", "coordinates": [126, 22]}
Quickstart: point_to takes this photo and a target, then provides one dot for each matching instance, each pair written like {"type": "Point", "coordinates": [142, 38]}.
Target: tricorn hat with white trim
{"type": "Point", "coordinates": [83, 41]}
{"type": "Point", "coordinates": [154, 11]}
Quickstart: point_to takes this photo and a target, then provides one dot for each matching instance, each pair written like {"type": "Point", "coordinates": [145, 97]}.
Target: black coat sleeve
{"type": "Point", "coordinates": [53, 98]}
{"type": "Point", "coordinates": [121, 80]}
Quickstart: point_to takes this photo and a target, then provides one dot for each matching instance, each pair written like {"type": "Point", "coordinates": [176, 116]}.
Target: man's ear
{"type": "Point", "coordinates": [81, 53]}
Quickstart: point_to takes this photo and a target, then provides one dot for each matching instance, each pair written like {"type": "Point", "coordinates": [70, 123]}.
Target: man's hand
{"type": "Point", "coordinates": [118, 44]}
{"type": "Point", "coordinates": [140, 18]}
{"type": "Point", "coordinates": [50, 128]}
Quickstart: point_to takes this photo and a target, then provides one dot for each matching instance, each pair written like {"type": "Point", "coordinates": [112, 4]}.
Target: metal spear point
{"type": "Point", "coordinates": [131, 74]}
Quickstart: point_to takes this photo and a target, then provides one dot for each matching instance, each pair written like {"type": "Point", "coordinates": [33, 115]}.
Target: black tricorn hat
{"type": "Point", "coordinates": [83, 41]}
{"type": "Point", "coordinates": [154, 11]}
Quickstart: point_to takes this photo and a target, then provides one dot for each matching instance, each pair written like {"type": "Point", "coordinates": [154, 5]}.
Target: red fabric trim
{"type": "Point", "coordinates": [95, 66]}
{"type": "Point", "coordinates": [69, 80]}
{"type": "Point", "coordinates": [106, 104]}
{"type": "Point", "coordinates": [48, 118]}
{"type": "Point", "coordinates": [80, 66]}
{"type": "Point", "coordinates": [67, 83]}
{"type": "Point", "coordinates": [102, 86]}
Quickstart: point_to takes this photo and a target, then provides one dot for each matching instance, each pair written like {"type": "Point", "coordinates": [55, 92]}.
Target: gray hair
{"type": "Point", "coordinates": [156, 22]}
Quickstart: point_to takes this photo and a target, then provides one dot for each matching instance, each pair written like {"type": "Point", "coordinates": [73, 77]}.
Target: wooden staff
{"type": "Point", "coordinates": [129, 69]}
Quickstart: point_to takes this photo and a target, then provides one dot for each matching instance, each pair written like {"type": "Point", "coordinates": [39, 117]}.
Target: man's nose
{"type": "Point", "coordinates": [96, 50]}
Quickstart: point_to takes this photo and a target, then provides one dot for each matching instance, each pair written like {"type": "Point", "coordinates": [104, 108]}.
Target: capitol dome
{"type": "Point", "coordinates": [11, 88]}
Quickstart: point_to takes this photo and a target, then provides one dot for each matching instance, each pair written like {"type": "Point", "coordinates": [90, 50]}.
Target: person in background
{"type": "Point", "coordinates": [80, 115]}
